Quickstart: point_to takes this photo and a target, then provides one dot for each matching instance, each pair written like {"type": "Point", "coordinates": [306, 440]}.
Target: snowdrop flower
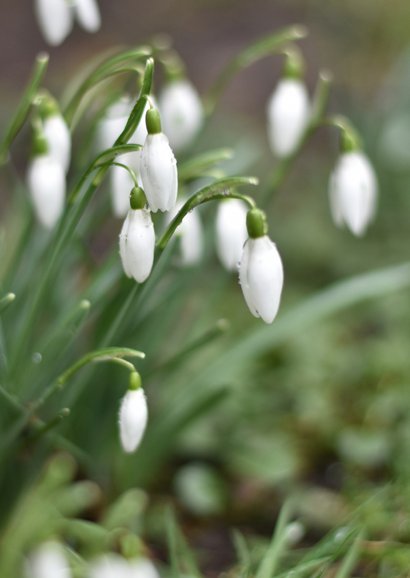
{"type": "Point", "coordinates": [133, 415]}
{"type": "Point", "coordinates": [47, 561]}
{"type": "Point", "coordinates": [288, 116]}
{"type": "Point", "coordinates": [56, 131]}
{"type": "Point", "coordinates": [55, 19]}
{"type": "Point", "coordinates": [231, 232]}
{"type": "Point", "coordinates": [181, 112]}
{"type": "Point", "coordinates": [88, 14]}
{"type": "Point", "coordinates": [190, 235]}
{"type": "Point", "coordinates": [46, 184]}
{"type": "Point", "coordinates": [260, 269]}
{"type": "Point", "coordinates": [137, 239]}
{"type": "Point", "coordinates": [158, 167]}
{"type": "Point", "coordinates": [353, 191]}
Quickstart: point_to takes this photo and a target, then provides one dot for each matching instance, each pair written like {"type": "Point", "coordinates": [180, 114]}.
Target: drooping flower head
{"type": "Point", "coordinates": [133, 415]}
{"type": "Point", "coordinates": [56, 131]}
{"type": "Point", "coordinates": [288, 109]}
{"type": "Point", "coordinates": [46, 182]}
{"type": "Point", "coordinates": [260, 269]}
{"type": "Point", "coordinates": [158, 167]}
{"type": "Point", "coordinates": [137, 238]}
{"type": "Point", "coordinates": [353, 188]}
{"type": "Point", "coordinates": [181, 112]}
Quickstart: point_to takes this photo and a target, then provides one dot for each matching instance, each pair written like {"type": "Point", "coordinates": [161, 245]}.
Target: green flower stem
{"type": "Point", "coordinates": [43, 428]}
{"type": "Point", "coordinates": [111, 354]}
{"type": "Point", "coordinates": [110, 67]}
{"type": "Point", "coordinates": [218, 190]}
{"type": "Point", "coordinates": [349, 137]}
{"type": "Point", "coordinates": [272, 44]}
{"type": "Point", "coordinates": [285, 165]}
{"type": "Point", "coordinates": [24, 106]}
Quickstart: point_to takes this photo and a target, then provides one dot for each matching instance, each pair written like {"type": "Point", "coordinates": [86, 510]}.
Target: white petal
{"type": "Point", "coordinates": [109, 566]}
{"type": "Point", "coordinates": [47, 561]}
{"type": "Point", "coordinates": [181, 113]}
{"type": "Point", "coordinates": [288, 116]}
{"type": "Point", "coordinates": [133, 419]}
{"type": "Point", "coordinates": [46, 183]}
{"type": "Point", "coordinates": [137, 244]}
{"type": "Point", "coordinates": [231, 232]}
{"type": "Point", "coordinates": [261, 278]}
{"type": "Point", "coordinates": [123, 247]}
{"type": "Point", "coordinates": [55, 20]}
{"type": "Point", "coordinates": [190, 234]}
{"type": "Point", "coordinates": [353, 190]}
{"type": "Point", "coordinates": [88, 14]}
{"type": "Point", "coordinates": [58, 138]}
{"type": "Point", "coordinates": [158, 171]}
{"type": "Point", "coordinates": [142, 568]}
{"type": "Point", "coordinates": [243, 277]}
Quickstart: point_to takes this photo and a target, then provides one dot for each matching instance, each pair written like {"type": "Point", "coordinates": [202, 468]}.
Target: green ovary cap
{"type": "Point", "coordinates": [153, 121]}
{"type": "Point", "coordinates": [137, 198]}
{"type": "Point", "coordinates": [256, 223]}
{"type": "Point", "coordinates": [135, 381]}
{"type": "Point", "coordinates": [349, 140]}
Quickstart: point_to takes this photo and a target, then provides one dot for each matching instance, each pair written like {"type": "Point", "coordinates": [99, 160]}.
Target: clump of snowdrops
{"type": "Point", "coordinates": [65, 315]}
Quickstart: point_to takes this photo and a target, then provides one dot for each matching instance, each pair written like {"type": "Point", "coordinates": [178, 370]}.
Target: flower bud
{"type": "Point", "coordinates": [47, 186]}
{"type": "Point", "coordinates": [181, 113]}
{"type": "Point", "coordinates": [231, 232]}
{"type": "Point", "coordinates": [88, 14]}
{"type": "Point", "coordinates": [57, 135]}
{"type": "Point", "coordinates": [137, 244]}
{"type": "Point", "coordinates": [353, 191]}
{"type": "Point", "coordinates": [47, 561]}
{"type": "Point", "coordinates": [158, 167]}
{"type": "Point", "coordinates": [260, 270]}
{"type": "Point", "coordinates": [288, 116]}
{"type": "Point", "coordinates": [133, 416]}
{"type": "Point", "coordinates": [55, 20]}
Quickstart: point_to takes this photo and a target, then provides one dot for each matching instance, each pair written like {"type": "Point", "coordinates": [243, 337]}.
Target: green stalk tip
{"type": "Point", "coordinates": [256, 223]}
{"type": "Point", "coordinates": [153, 121]}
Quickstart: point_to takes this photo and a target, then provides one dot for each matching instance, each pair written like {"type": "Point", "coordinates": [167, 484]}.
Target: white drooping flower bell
{"type": "Point", "coordinates": [158, 168]}
{"type": "Point", "coordinates": [47, 561]}
{"type": "Point", "coordinates": [46, 183]}
{"type": "Point", "coordinates": [231, 232]}
{"type": "Point", "coordinates": [260, 269]}
{"type": "Point", "coordinates": [190, 235]}
{"type": "Point", "coordinates": [56, 131]}
{"type": "Point", "coordinates": [353, 191]}
{"type": "Point", "coordinates": [88, 14]}
{"type": "Point", "coordinates": [55, 19]}
{"type": "Point", "coordinates": [181, 113]}
{"type": "Point", "coordinates": [137, 239]}
{"type": "Point", "coordinates": [288, 109]}
{"type": "Point", "coordinates": [133, 415]}
{"type": "Point", "coordinates": [142, 568]}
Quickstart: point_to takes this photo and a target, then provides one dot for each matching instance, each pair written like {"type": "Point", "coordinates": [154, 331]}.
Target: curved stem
{"type": "Point", "coordinates": [218, 190]}
{"type": "Point", "coordinates": [271, 44]}
{"type": "Point", "coordinates": [24, 106]}
{"type": "Point", "coordinates": [103, 71]}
